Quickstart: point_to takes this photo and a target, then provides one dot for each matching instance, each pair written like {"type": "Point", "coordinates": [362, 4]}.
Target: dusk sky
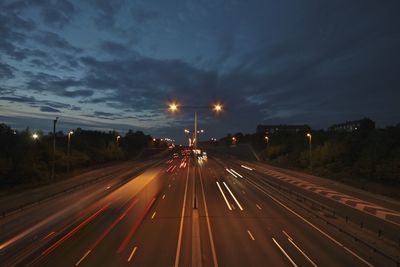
{"type": "Point", "coordinates": [116, 64]}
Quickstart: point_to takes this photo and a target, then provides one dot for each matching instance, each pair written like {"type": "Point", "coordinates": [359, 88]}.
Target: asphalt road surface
{"type": "Point", "coordinates": [189, 212]}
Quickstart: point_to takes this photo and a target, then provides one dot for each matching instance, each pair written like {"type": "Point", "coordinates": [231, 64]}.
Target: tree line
{"type": "Point", "coordinates": [370, 155]}
{"type": "Point", "coordinates": [24, 159]}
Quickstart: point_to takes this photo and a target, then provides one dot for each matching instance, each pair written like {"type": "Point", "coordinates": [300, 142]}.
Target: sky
{"type": "Point", "coordinates": [115, 65]}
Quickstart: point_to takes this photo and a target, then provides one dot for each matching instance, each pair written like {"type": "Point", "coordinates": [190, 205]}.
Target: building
{"type": "Point", "coordinates": [282, 128]}
{"type": "Point", "coordinates": [351, 126]}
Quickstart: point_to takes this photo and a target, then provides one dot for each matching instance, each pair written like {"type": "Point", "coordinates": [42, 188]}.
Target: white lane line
{"type": "Point", "coordinates": [299, 249]}
{"type": "Point", "coordinates": [214, 254]}
{"type": "Point", "coordinates": [132, 253]}
{"type": "Point", "coordinates": [154, 215]}
{"type": "Point", "coordinates": [258, 206]}
{"type": "Point", "coordinates": [310, 224]}
{"type": "Point", "coordinates": [284, 252]}
{"type": "Point", "coordinates": [231, 173]}
{"type": "Point", "coordinates": [222, 192]}
{"type": "Point", "coordinates": [178, 248]}
{"type": "Point", "coordinates": [83, 257]}
{"type": "Point", "coordinates": [169, 185]}
{"type": "Point", "coordinates": [163, 196]}
{"type": "Point", "coordinates": [236, 173]}
{"type": "Point", "coordinates": [245, 167]}
{"type": "Point", "coordinates": [251, 236]}
{"type": "Point", "coordinates": [234, 198]}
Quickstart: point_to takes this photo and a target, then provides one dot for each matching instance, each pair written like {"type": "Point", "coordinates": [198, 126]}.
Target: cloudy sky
{"type": "Point", "coordinates": [116, 64]}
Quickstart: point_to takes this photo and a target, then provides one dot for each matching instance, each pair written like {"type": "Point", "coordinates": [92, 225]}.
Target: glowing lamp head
{"type": "Point", "coordinates": [218, 108]}
{"type": "Point", "coordinates": [173, 107]}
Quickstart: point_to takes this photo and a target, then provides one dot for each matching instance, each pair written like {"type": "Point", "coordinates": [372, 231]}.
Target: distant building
{"type": "Point", "coordinates": [282, 128]}
{"type": "Point", "coordinates": [351, 126]}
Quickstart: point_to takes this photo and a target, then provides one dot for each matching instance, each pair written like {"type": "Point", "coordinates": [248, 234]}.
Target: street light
{"type": "Point", "coordinates": [234, 140]}
{"type": "Point", "coordinates": [53, 165]}
{"type": "Point", "coordinates": [173, 107]}
{"type": "Point", "coordinates": [69, 149]}
{"type": "Point", "coordinates": [186, 131]}
{"type": "Point", "coordinates": [310, 138]}
{"type": "Point", "coordinates": [218, 107]}
{"type": "Point", "coordinates": [35, 136]}
{"type": "Point", "coordinates": [118, 137]}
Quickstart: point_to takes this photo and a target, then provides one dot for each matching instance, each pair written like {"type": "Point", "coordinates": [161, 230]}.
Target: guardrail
{"type": "Point", "coordinates": [279, 188]}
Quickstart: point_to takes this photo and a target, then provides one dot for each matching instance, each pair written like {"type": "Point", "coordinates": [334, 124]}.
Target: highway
{"type": "Point", "coordinates": [188, 212]}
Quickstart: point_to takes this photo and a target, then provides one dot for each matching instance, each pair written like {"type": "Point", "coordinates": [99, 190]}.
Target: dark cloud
{"type": "Point", "coordinates": [49, 109]}
{"type": "Point", "coordinates": [142, 15]}
{"type": "Point", "coordinates": [78, 93]}
{"type": "Point", "coordinates": [58, 13]}
{"type": "Point", "coordinates": [54, 13]}
{"type": "Point", "coordinates": [53, 40]}
{"type": "Point", "coordinates": [105, 18]}
{"type": "Point", "coordinates": [6, 71]}
{"type": "Point", "coordinates": [116, 49]}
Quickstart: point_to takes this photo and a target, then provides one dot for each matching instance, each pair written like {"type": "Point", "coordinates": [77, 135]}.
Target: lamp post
{"type": "Point", "coordinates": [118, 137]}
{"type": "Point", "coordinates": [174, 107]}
{"type": "Point", "coordinates": [35, 136]}
{"type": "Point", "coordinates": [69, 150]}
{"type": "Point", "coordinates": [310, 138]}
{"type": "Point", "coordinates": [54, 148]}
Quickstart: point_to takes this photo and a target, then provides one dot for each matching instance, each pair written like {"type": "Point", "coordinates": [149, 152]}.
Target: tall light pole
{"type": "Point", "coordinates": [310, 138]}
{"type": "Point", "coordinates": [118, 137]}
{"type": "Point", "coordinates": [69, 149]}
{"type": "Point", "coordinates": [54, 148]}
{"type": "Point", "coordinates": [174, 107]}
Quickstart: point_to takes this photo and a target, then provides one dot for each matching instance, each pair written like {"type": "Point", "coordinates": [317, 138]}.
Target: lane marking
{"type": "Point", "coordinates": [284, 252]}
{"type": "Point", "coordinates": [154, 215]}
{"type": "Point", "coordinates": [178, 248]}
{"type": "Point", "coordinates": [258, 206]}
{"type": "Point", "coordinates": [163, 196]}
{"type": "Point", "coordinates": [231, 173]}
{"type": "Point", "coordinates": [133, 252]}
{"type": "Point", "coordinates": [251, 236]}
{"type": "Point", "coordinates": [214, 254]}
{"type": "Point", "coordinates": [83, 257]}
{"type": "Point", "coordinates": [47, 236]}
{"type": "Point", "coordinates": [298, 248]}
{"type": "Point", "coordinates": [222, 192]}
{"type": "Point", "coordinates": [234, 198]}
{"type": "Point", "coordinates": [245, 167]}
{"type": "Point", "coordinates": [73, 231]}
{"type": "Point", "coordinates": [310, 224]}
{"type": "Point", "coordinates": [135, 226]}
{"type": "Point", "coordinates": [236, 173]}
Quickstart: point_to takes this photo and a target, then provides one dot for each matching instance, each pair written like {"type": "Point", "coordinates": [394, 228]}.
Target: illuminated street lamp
{"type": "Point", "coordinates": [118, 137]}
{"type": "Point", "coordinates": [35, 136]}
{"type": "Point", "coordinates": [310, 138]}
{"type": "Point", "coordinates": [186, 131]}
{"type": "Point", "coordinates": [173, 107]}
{"type": "Point", "coordinates": [69, 149]}
{"type": "Point", "coordinates": [234, 140]}
{"type": "Point", "coordinates": [218, 107]}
